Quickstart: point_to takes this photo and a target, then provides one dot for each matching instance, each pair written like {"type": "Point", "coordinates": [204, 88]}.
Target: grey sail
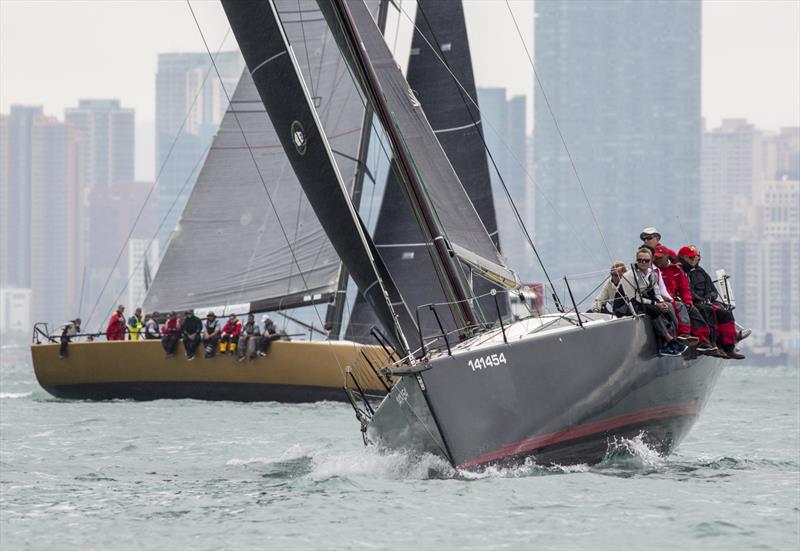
{"type": "Point", "coordinates": [440, 38]}
{"type": "Point", "coordinates": [229, 248]}
{"type": "Point", "coordinates": [419, 149]}
{"type": "Point", "coordinates": [291, 107]}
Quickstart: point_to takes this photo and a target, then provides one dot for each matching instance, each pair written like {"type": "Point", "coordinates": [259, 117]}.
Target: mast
{"type": "Point", "coordinates": [448, 273]}
{"type": "Point", "coordinates": [440, 73]}
{"type": "Point", "coordinates": [333, 321]}
{"type": "Point", "coordinates": [274, 68]}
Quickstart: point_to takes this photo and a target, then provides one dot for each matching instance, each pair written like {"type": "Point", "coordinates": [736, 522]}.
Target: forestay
{"type": "Point", "coordinates": [229, 247]}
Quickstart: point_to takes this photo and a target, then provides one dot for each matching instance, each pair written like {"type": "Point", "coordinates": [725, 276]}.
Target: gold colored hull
{"type": "Point", "coordinates": [293, 371]}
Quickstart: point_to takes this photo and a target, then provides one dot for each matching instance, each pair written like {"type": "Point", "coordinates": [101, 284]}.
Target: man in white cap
{"type": "Point", "coordinates": [651, 239]}
{"type": "Point", "coordinates": [269, 333]}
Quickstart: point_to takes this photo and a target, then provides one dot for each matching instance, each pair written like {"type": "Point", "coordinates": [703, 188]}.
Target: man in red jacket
{"type": "Point", "coordinates": [690, 320]}
{"type": "Point", "coordinates": [230, 333]}
{"type": "Point", "coordinates": [116, 325]}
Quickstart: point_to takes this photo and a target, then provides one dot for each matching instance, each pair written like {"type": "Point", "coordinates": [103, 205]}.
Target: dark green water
{"type": "Point", "coordinates": [196, 475]}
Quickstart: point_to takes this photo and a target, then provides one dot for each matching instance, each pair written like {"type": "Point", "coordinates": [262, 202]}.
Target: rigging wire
{"type": "Point", "coordinates": [558, 129]}
{"type": "Point", "coordinates": [158, 230]}
{"type": "Point", "coordinates": [494, 130]}
{"type": "Point", "coordinates": [155, 182]}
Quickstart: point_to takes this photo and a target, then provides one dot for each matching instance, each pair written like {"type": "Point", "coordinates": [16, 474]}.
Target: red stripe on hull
{"type": "Point", "coordinates": [580, 431]}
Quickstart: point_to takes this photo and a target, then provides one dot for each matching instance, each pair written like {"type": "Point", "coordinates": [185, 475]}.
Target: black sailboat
{"type": "Point", "coordinates": [559, 387]}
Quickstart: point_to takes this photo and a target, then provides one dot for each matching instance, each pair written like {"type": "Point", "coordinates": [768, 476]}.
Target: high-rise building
{"type": "Point", "coordinates": [57, 218]}
{"type": "Point", "coordinates": [15, 192]}
{"type": "Point", "coordinates": [623, 83]}
{"type": "Point", "coordinates": [750, 222]}
{"type": "Point", "coordinates": [504, 129]}
{"type": "Point", "coordinates": [190, 103]}
{"type": "Point", "coordinates": [108, 134]}
{"type": "Point", "coordinates": [113, 211]}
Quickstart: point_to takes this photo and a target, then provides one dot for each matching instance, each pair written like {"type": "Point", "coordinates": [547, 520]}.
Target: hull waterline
{"type": "Point", "coordinates": [563, 396]}
{"type": "Point", "coordinates": [293, 372]}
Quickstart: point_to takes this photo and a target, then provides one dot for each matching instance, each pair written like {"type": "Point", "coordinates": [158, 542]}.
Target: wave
{"type": "Point", "coordinates": [14, 395]}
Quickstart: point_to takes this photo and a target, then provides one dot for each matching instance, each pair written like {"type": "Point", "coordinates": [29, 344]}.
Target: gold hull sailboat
{"type": "Point", "coordinates": [294, 371]}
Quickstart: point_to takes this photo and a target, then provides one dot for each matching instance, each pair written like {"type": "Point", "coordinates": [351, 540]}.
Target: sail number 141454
{"type": "Point", "coordinates": [487, 361]}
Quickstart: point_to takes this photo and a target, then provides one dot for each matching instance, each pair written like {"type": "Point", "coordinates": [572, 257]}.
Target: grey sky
{"type": "Point", "coordinates": [54, 53]}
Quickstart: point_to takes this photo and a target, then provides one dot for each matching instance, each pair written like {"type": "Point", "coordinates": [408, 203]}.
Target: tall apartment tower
{"type": "Point", "coordinates": [190, 103]}
{"type": "Point", "coordinates": [15, 193]}
{"type": "Point", "coordinates": [504, 129]}
{"type": "Point", "coordinates": [623, 82]}
{"type": "Point", "coordinates": [56, 222]}
{"type": "Point", "coordinates": [108, 135]}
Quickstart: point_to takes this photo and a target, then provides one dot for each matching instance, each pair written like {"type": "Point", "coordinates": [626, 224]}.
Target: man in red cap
{"type": "Point", "coordinates": [705, 298]}
{"type": "Point", "coordinates": [690, 320]}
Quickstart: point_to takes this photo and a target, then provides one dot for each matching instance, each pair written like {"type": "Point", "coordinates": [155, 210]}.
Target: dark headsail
{"type": "Point", "coordinates": [440, 38]}
{"type": "Point", "coordinates": [443, 211]}
{"type": "Point", "coordinates": [274, 70]}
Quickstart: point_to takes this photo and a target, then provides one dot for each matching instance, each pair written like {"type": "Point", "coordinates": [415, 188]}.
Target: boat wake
{"type": "Point", "coordinates": [13, 395]}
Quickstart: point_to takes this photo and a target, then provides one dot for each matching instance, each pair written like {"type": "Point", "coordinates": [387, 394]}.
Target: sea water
{"type": "Point", "coordinates": [185, 474]}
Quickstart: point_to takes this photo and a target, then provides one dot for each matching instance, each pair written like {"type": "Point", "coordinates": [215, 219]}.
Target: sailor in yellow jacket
{"type": "Point", "coordinates": [135, 324]}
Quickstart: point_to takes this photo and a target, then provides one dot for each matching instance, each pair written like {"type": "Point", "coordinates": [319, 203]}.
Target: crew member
{"type": "Point", "coordinates": [171, 333]}
{"type": "Point", "coordinates": [651, 238]}
{"type": "Point", "coordinates": [230, 333]}
{"type": "Point", "coordinates": [248, 338]}
{"type": "Point", "coordinates": [192, 333]}
{"type": "Point", "coordinates": [269, 333]}
{"type": "Point", "coordinates": [116, 325]}
{"type": "Point", "coordinates": [612, 293]}
{"type": "Point", "coordinates": [152, 330]}
{"type": "Point", "coordinates": [705, 297]}
{"type": "Point", "coordinates": [68, 331]}
{"type": "Point", "coordinates": [135, 324]}
{"type": "Point", "coordinates": [642, 285]}
{"type": "Point", "coordinates": [211, 334]}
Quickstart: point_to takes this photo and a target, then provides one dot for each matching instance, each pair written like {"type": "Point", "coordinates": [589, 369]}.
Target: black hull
{"type": "Point", "coordinates": [212, 391]}
{"type": "Point", "coordinates": [560, 397]}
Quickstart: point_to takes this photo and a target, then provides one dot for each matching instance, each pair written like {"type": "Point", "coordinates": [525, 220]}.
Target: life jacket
{"type": "Point", "coordinates": [134, 327]}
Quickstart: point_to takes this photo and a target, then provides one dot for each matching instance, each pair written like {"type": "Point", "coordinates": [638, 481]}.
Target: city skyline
{"type": "Point", "coordinates": [738, 40]}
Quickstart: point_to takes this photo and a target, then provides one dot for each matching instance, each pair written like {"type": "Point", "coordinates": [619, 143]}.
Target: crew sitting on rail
{"type": "Point", "coordinates": [683, 328]}
{"type": "Point", "coordinates": [692, 327]}
{"type": "Point", "coordinates": [248, 338]}
{"type": "Point", "coordinates": [211, 334]}
{"type": "Point", "coordinates": [171, 333]}
{"type": "Point", "coordinates": [116, 325]}
{"type": "Point", "coordinates": [641, 284]}
{"type": "Point", "coordinates": [192, 333]}
{"type": "Point", "coordinates": [135, 324]}
{"type": "Point", "coordinates": [718, 316]}
{"type": "Point", "coordinates": [230, 334]}
{"type": "Point", "coordinates": [269, 333]}
{"type": "Point", "coordinates": [152, 330]}
{"type": "Point", "coordinates": [68, 331]}
{"type": "Point", "coordinates": [613, 294]}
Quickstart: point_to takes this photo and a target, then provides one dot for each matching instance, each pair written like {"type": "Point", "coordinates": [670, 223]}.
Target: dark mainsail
{"type": "Point", "coordinates": [440, 38]}
{"type": "Point", "coordinates": [274, 69]}
{"type": "Point", "coordinates": [444, 213]}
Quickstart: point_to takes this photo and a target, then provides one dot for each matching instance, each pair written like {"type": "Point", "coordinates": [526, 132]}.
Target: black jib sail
{"type": "Point", "coordinates": [291, 108]}
{"type": "Point", "coordinates": [439, 54]}
{"type": "Point", "coordinates": [443, 211]}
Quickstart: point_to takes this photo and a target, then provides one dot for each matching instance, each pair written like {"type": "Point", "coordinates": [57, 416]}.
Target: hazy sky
{"type": "Point", "coordinates": [54, 53]}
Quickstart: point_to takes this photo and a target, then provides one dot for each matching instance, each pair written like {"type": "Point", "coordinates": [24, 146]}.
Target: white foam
{"type": "Point", "coordinates": [13, 395]}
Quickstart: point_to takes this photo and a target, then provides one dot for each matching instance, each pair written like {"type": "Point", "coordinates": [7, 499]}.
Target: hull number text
{"type": "Point", "coordinates": [487, 361]}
